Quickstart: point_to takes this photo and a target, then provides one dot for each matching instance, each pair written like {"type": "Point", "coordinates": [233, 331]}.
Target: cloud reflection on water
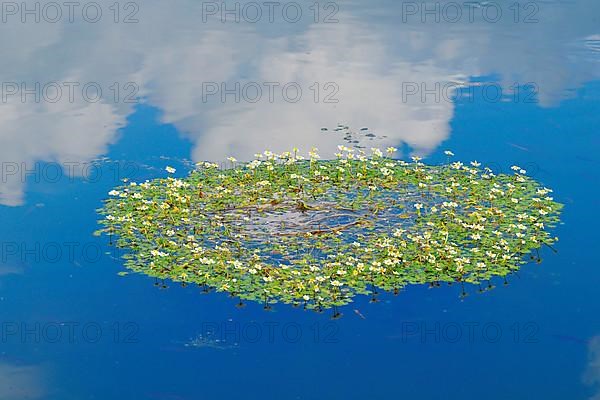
{"type": "Point", "coordinates": [21, 382]}
{"type": "Point", "coordinates": [369, 54]}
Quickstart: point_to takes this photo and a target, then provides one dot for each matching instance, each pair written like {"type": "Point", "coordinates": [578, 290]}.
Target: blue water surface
{"type": "Point", "coordinates": [503, 93]}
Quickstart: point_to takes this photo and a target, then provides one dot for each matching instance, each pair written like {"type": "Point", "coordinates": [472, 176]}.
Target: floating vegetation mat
{"type": "Point", "coordinates": [315, 233]}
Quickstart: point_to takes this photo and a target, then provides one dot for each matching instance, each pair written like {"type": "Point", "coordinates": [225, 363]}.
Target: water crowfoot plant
{"type": "Point", "coordinates": [312, 232]}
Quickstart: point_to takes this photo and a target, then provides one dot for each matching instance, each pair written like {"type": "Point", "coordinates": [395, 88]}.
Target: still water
{"type": "Point", "coordinates": [94, 93]}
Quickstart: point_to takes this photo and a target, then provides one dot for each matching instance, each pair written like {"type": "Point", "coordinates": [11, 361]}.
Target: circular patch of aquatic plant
{"type": "Point", "coordinates": [315, 233]}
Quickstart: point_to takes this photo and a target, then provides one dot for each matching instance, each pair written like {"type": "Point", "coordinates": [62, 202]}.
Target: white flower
{"type": "Point", "coordinates": [418, 206]}
{"type": "Point", "coordinates": [113, 193]}
{"type": "Point", "coordinates": [254, 164]}
{"type": "Point", "coordinates": [170, 170]}
{"type": "Point", "coordinates": [376, 152]}
{"type": "Point", "coordinates": [448, 153]}
{"type": "Point", "coordinates": [157, 253]}
{"type": "Point", "coordinates": [398, 232]}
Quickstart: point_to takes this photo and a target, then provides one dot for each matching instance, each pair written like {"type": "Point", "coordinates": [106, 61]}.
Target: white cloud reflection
{"type": "Point", "coordinates": [369, 54]}
{"type": "Point", "coordinates": [21, 382]}
{"type": "Point", "coordinates": [592, 373]}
